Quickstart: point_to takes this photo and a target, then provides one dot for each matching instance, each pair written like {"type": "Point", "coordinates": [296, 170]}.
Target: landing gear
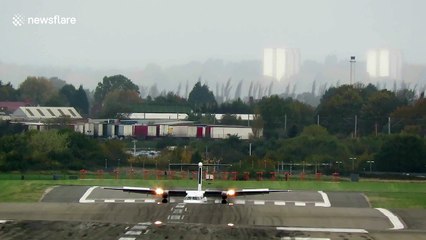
{"type": "Point", "coordinates": [164, 200]}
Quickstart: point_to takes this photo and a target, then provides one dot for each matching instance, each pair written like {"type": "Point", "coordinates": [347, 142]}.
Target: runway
{"type": "Point", "coordinates": [293, 215]}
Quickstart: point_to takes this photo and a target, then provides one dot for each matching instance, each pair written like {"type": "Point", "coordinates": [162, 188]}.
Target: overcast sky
{"type": "Point", "coordinates": [133, 33]}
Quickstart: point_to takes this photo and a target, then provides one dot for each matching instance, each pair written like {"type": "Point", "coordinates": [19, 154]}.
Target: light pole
{"type": "Point", "coordinates": [353, 162]}
{"type": "Point", "coordinates": [370, 162]}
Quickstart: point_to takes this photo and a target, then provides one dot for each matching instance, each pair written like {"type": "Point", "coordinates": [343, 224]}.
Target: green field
{"type": "Point", "coordinates": [389, 194]}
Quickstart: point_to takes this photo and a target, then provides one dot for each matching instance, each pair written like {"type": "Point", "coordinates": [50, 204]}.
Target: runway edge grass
{"type": "Point", "coordinates": [394, 194]}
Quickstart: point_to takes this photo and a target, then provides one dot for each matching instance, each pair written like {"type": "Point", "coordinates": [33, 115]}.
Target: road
{"type": "Point", "coordinates": [96, 213]}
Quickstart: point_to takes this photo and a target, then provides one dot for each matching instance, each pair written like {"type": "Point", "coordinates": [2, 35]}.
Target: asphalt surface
{"type": "Point", "coordinates": [112, 214]}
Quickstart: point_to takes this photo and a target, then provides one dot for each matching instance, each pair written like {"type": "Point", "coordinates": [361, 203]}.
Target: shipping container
{"type": "Point", "coordinates": [79, 127]}
{"type": "Point", "coordinates": [125, 130]}
{"type": "Point", "coordinates": [221, 132]}
{"type": "Point", "coordinates": [153, 131]}
{"type": "Point", "coordinates": [89, 129]}
{"type": "Point", "coordinates": [178, 131]}
{"type": "Point", "coordinates": [192, 131]}
{"type": "Point", "coordinates": [104, 130]}
{"type": "Point", "coordinates": [110, 130]}
{"type": "Point", "coordinates": [140, 131]}
{"type": "Point", "coordinates": [98, 130]}
{"type": "Point", "coordinates": [200, 131]}
{"type": "Point", "coordinates": [163, 130]}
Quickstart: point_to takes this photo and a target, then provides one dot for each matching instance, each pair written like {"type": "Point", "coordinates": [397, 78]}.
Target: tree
{"type": "Point", "coordinates": [338, 108]}
{"type": "Point", "coordinates": [38, 90]}
{"type": "Point", "coordinates": [402, 153]}
{"type": "Point", "coordinates": [229, 119]}
{"type": "Point", "coordinates": [412, 117]}
{"type": "Point", "coordinates": [46, 144]}
{"type": "Point", "coordinates": [376, 110]}
{"type": "Point", "coordinates": [75, 98]}
{"type": "Point", "coordinates": [201, 97]}
{"type": "Point", "coordinates": [7, 92]}
{"type": "Point", "coordinates": [280, 114]}
{"type": "Point", "coordinates": [120, 101]}
{"type": "Point", "coordinates": [113, 83]}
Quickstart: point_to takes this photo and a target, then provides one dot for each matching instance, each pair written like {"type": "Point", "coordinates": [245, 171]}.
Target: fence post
{"type": "Point", "coordinates": [259, 176]}
{"type": "Point", "coordinates": [246, 176]}
{"type": "Point", "coordinates": [273, 178]}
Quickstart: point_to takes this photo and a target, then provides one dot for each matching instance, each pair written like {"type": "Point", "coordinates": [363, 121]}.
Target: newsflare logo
{"type": "Point", "coordinates": [19, 20]}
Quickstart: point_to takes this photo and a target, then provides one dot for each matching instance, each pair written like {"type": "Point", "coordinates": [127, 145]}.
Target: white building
{"type": "Point", "coordinates": [40, 113]}
{"type": "Point", "coordinates": [281, 63]}
{"type": "Point", "coordinates": [384, 63]}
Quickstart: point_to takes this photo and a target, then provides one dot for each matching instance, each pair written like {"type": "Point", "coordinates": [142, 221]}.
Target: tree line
{"type": "Point", "coordinates": [351, 122]}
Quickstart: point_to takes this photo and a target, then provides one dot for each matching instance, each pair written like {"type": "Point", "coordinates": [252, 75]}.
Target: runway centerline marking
{"type": "Point", "coordinates": [89, 191]}
{"type": "Point", "coordinates": [127, 238]}
{"type": "Point", "coordinates": [133, 233]}
{"type": "Point", "coordinates": [396, 222]}
{"type": "Point", "coordinates": [335, 230]}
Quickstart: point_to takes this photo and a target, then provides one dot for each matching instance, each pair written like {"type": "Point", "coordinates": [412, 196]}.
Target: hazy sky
{"type": "Point", "coordinates": [132, 33]}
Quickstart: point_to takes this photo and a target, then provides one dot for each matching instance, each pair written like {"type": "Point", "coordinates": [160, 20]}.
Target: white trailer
{"type": "Point", "coordinates": [221, 132]}
{"type": "Point", "coordinates": [152, 131]}
{"type": "Point", "coordinates": [79, 128]}
{"type": "Point", "coordinates": [110, 130]}
{"type": "Point", "coordinates": [89, 129]}
{"type": "Point", "coordinates": [125, 130]}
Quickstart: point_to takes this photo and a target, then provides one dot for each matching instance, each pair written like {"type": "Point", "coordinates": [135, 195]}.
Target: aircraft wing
{"type": "Point", "coordinates": [208, 192]}
{"type": "Point", "coordinates": [134, 190]}
{"type": "Point", "coordinates": [151, 191]}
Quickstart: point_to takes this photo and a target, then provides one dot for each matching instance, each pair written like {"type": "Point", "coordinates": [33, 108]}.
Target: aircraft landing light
{"type": "Point", "coordinates": [159, 191]}
{"type": "Point", "coordinates": [230, 192]}
{"type": "Point", "coordinates": [157, 222]}
{"type": "Point", "coordinates": [230, 224]}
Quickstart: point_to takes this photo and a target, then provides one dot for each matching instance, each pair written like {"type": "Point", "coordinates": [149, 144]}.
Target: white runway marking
{"type": "Point", "coordinates": [326, 202]}
{"type": "Point", "coordinates": [240, 202]}
{"type": "Point", "coordinates": [259, 203]}
{"type": "Point", "coordinates": [126, 238]}
{"type": "Point", "coordinates": [109, 200]}
{"type": "Point", "coordinates": [4, 221]}
{"type": "Point", "coordinates": [129, 200]}
{"type": "Point", "coordinates": [139, 227]}
{"type": "Point", "coordinates": [83, 199]}
{"type": "Point", "coordinates": [397, 224]}
{"type": "Point", "coordinates": [335, 230]}
{"type": "Point", "coordinates": [279, 203]}
{"type": "Point", "coordinates": [133, 233]}
{"type": "Point", "coordinates": [300, 204]}
{"type": "Point", "coordinates": [149, 200]}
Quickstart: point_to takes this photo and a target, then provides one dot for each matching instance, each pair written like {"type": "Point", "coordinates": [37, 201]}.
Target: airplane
{"type": "Point", "coordinates": [196, 196]}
